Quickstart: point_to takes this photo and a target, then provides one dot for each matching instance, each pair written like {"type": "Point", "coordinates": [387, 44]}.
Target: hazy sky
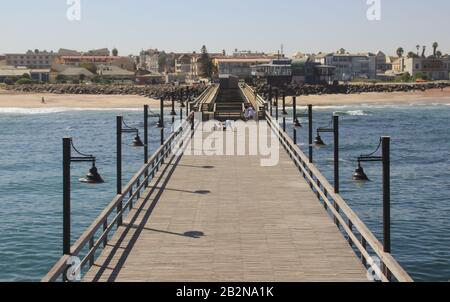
{"type": "Point", "coordinates": [185, 25]}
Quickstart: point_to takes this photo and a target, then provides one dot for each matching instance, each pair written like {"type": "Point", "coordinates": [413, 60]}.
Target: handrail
{"type": "Point", "coordinates": [133, 189]}
{"type": "Point", "coordinates": [337, 205]}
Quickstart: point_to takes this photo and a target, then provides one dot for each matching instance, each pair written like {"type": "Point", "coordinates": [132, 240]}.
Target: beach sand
{"type": "Point", "coordinates": [31, 100]}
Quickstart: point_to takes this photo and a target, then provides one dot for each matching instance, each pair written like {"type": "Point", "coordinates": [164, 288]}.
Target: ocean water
{"type": "Point", "coordinates": [31, 182]}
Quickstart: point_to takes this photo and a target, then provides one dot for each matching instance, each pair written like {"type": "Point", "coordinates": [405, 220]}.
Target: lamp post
{"type": "Point", "coordinates": [360, 175]}
{"type": "Point", "coordinates": [122, 127]}
{"type": "Point", "coordinates": [319, 142]}
{"type": "Point", "coordinates": [276, 104]}
{"type": "Point", "coordinates": [93, 177]}
{"type": "Point", "coordinates": [182, 105]}
{"type": "Point", "coordinates": [310, 140]}
{"type": "Point", "coordinates": [294, 113]}
{"type": "Point", "coordinates": [172, 96]}
{"type": "Point", "coordinates": [270, 100]}
{"type": "Point", "coordinates": [284, 104]}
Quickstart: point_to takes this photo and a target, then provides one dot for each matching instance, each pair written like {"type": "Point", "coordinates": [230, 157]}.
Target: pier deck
{"type": "Point", "coordinates": [226, 218]}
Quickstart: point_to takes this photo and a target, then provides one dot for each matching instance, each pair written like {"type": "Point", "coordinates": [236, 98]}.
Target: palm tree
{"type": "Point", "coordinates": [418, 49]}
{"type": "Point", "coordinates": [435, 46]}
{"type": "Point", "coordinates": [400, 52]}
{"type": "Point", "coordinates": [439, 54]}
{"type": "Point", "coordinates": [423, 51]}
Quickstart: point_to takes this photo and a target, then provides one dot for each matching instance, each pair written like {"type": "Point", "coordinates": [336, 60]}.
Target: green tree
{"type": "Point", "coordinates": [206, 63]}
{"type": "Point", "coordinates": [439, 54]}
{"type": "Point", "coordinates": [412, 55]}
{"type": "Point", "coordinates": [25, 76]}
{"type": "Point", "coordinates": [400, 52]}
{"type": "Point", "coordinates": [115, 52]}
{"type": "Point", "coordinates": [435, 47]}
{"type": "Point", "coordinates": [162, 61]}
{"type": "Point", "coordinates": [82, 77]}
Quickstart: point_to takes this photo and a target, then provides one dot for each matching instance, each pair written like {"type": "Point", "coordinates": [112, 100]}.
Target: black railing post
{"type": "Point", "coordinates": [66, 195]}
{"type": "Point", "coordinates": [386, 145]}
{"type": "Point", "coordinates": [146, 146]}
{"type": "Point", "coordinates": [336, 153]}
{"type": "Point", "coordinates": [173, 113]}
{"type": "Point", "coordinates": [294, 110]}
{"type": "Point", "coordinates": [270, 101]}
{"type": "Point", "coordinates": [310, 119]}
{"type": "Point", "coordinates": [119, 122]}
{"type": "Point", "coordinates": [284, 103]}
{"type": "Point", "coordinates": [284, 123]}
{"type": "Point", "coordinates": [161, 113]}
{"type": "Point", "coordinates": [276, 104]}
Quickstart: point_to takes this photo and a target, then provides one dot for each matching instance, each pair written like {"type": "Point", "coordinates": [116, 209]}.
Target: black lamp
{"type": "Point", "coordinates": [137, 142]}
{"type": "Point", "coordinates": [93, 177]}
{"type": "Point", "coordinates": [319, 141]}
{"type": "Point", "coordinates": [359, 174]}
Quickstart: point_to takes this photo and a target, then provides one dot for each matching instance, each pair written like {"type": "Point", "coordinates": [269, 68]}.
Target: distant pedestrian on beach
{"type": "Point", "coordinates": [43, 100]}
{"type": "Point", "coordinates": [246, 112]}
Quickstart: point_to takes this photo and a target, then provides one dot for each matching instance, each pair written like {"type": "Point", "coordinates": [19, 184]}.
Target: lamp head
{"type": "Point", "coordinates": [360, 175]}
{"type": "Point", "coordinates": [93, 177]}
{"type": "Point", "coordinates": [297, 123]}
{"type": "Point", "coordinates": [318, 141]}
{"type": "Point", "coordinates": [137, 142]}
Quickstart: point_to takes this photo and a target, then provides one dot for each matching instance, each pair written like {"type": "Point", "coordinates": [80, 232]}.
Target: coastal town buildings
{"type": "Point", "coordinates": [433, 68]}
{"type": "Point", "coordinates": [350, 66]}
{"type": "Point", "coordinates": [239, 66]}
{"type": "Point", "coordinates": [31, 59]}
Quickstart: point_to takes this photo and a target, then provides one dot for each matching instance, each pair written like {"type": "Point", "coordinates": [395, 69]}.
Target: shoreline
{"type": "Point", "coordinates": [84, 101]}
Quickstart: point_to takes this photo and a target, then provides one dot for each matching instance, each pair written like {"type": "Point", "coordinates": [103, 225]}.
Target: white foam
{"type": "Point", "coordinates": [36, 111]}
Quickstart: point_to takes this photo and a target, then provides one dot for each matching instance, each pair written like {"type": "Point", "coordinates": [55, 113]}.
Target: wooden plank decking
{"type": "Point", "coordinates": [226, 218]}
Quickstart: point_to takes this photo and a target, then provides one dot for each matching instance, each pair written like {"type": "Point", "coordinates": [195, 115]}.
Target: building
{"type": "Point", "coordinates": [239, 66]}
{"type": "Point", "coordinates": [307, 71]}
{"type": "Point", "coordinates": [383, 62]}
{"type": "Point", "coordinates": [31, 59]}
{"type": "Point", "coordinates": [149, 60]}
{"type": "Point", "coordinates": [76, 61]}
{"type": "Point", "coordinates": [183, 64]}
{"type": "Point", "coordinates": [434, 69]}
{"type": "Point", "coordinates": [13, 74]}
{"type": "Point", "coordinates": [75, 74]}
{"type": "Point", "coordinates": [114, 73]}
{"type": "Point", "coordinates": [277, 72]}
{"type": "Point", "coordinates": [350, 66]}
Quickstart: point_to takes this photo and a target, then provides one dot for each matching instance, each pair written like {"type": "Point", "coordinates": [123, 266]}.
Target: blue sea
{"type": "Point", "coordinates": [31, 182]}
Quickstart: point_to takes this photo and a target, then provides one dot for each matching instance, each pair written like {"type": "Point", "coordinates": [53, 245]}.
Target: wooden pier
{"type": "Point", "coordinates": [190, 218]}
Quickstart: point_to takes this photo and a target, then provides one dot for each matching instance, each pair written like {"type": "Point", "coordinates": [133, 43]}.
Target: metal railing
{"type": "Point", "coordinates": [96, 236]}
{"type": "Point", "coordinates": [358, 234]}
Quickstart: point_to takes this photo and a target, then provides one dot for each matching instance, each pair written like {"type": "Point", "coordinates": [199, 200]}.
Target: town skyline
{"type": "Point", "coordinates": [165, 25]}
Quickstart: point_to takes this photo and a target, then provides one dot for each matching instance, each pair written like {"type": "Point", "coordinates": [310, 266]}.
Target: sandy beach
{"type": "Point", "coordinates": [20, 100]}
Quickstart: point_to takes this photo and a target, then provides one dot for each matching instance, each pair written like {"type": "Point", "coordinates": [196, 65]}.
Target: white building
{"type": "Point", "coordinates": [350, 66]}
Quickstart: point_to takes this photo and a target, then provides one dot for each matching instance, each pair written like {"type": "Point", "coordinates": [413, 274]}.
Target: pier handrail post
{"type": "Point", "coordinates": [310, 119]}
{"type": "Point", "coordinates": [386, 158]}
{"type": "Point", "coordinates": [276, 104]}
{"type": "Point", "coordinates": [146, 134]}
{"type": "Point", "coordinates": [173, 113]}
{"type": "Point", "coordinates": [284, 103]}
{"type": "Point", "coordinates": [270, 101]}
{"type": "Point", "coordinates": [119, 122]}
{"type": "Point", "coordinates": [146, 146]}
{"type": "Point", "coordinates": [336, 153]}
{"type": "Point", "coordinates": [66, 196]}
{"type": "Point", "coordinates": [161, 113]}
